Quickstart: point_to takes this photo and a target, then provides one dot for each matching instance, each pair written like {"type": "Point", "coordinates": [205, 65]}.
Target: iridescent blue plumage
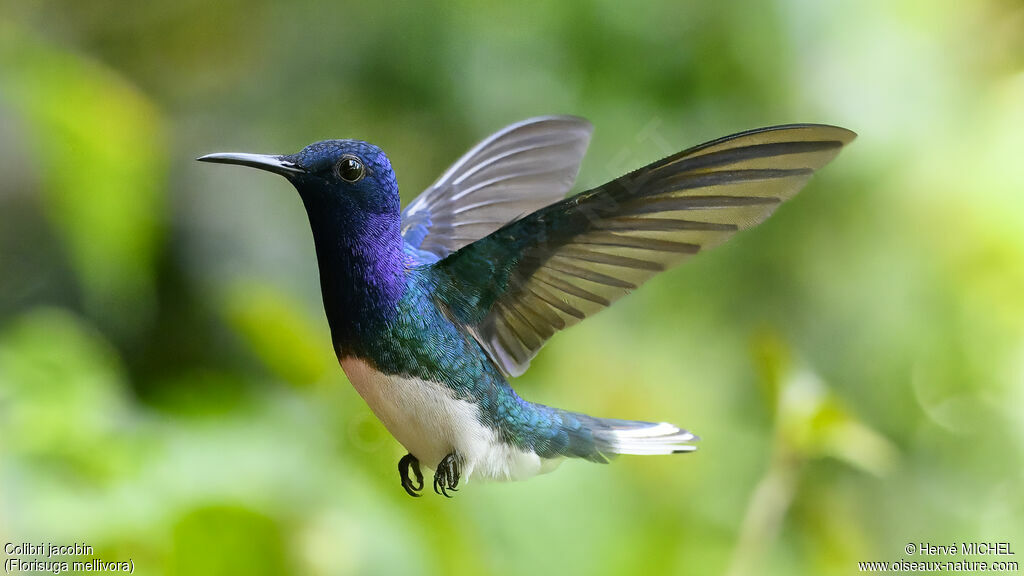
{"type": "Point", "coordinates": [433, 308]}
{"type": "Point", "coordinates": [434, 348]}
{"type": "Point", "coordinates": [392, 319]}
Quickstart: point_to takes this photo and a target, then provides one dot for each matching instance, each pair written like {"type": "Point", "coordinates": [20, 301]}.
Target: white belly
{"type": "Point", "coordinates": [431, 423]}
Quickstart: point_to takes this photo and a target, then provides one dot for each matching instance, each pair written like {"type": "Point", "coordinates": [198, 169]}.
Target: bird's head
{"type": "Point", "coordinates": [351, 175]}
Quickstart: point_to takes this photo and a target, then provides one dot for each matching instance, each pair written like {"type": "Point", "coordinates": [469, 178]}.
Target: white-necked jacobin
{"type": "Point", "coordinates": [432, 308]}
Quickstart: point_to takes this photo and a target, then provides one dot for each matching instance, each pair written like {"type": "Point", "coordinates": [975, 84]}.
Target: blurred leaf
{"type": "Point", "coordinates": [812, 423]}
{"type": "Point", "coordinates": [772, 360]}
{"type": "Point", "coordinates": [279, 332]}
{"type": "Point", "coordinates": [223, 540]}
{"type": "Point", "coordinates": [62, 400]}
{"type": "Point", "coordinates": [839, 434]}
{"type": "Point", "coordinates": [97, 145]}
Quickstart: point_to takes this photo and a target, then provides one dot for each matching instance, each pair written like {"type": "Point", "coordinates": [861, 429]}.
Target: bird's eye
{"type": "Point", "coordinates": [351, 169]}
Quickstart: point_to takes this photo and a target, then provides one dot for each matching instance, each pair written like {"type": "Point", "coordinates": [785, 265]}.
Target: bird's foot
{"type": "Point", "coordinates": [404, 465]}
{"type": "Point", "coordinates": [447, 475]}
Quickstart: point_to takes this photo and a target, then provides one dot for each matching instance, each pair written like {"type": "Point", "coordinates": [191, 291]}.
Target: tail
{"type": "Point", "coordinates": [643, 438]}
{"type": "Point", "coordinates": [600, 439]}
{"type": "Point", "coordinates": [554, 433]}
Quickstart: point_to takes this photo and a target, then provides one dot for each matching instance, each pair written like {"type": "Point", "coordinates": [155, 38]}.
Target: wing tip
{"type": "Point", "coordinates": [802, 132]}
{"type": "Point", "coordinates": [829, 131]}
{"type": "Point", "coordinates": [578, 121]}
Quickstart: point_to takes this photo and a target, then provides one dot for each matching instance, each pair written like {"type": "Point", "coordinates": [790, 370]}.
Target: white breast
{"type": "Point", "coordinates": [431, 423]}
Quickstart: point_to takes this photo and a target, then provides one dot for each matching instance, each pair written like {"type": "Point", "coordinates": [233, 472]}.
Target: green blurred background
{"type": "Point", "coordinates": [855, 366]}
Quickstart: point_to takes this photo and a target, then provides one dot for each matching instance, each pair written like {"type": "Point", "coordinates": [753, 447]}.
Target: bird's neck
{"type": "Point", "coordinates": [362, 273]}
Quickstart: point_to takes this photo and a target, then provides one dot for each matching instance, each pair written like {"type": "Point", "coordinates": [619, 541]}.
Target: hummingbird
{"type": "Point", "coordinates": [432, 309]}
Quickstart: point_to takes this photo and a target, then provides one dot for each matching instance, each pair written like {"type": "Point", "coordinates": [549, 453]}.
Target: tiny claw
{"type": "Point", "coordinates": [419, 475]}
{"type": "Point", "coordinates": [404, 465]}
{"type": "Point", "coordinates": [447, 475]}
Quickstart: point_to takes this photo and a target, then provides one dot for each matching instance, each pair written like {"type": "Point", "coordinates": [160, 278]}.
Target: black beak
{"type": "Point", "coordinates": [275, 164]}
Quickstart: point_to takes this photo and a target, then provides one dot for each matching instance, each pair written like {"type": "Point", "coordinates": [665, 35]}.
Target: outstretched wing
{"type": "Point", "coordinates": [515, 171]}
{"type": "Point", "coordinates": [547, 271]}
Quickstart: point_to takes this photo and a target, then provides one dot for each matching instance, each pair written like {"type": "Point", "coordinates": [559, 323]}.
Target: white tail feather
{"type": "Point", "coordinates": [651, 439]}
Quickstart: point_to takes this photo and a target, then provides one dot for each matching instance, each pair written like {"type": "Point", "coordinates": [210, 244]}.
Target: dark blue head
{"type": "Point", "coordinates": [350, 173]}
{"type": "Point", "coordinates": [351, 197]}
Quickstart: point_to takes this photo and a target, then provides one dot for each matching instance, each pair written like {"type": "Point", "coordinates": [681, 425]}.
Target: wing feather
{"type": "Point", "coordinates": [547, 271]}
{"type": "Point", "coordinates": [515, 171]}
